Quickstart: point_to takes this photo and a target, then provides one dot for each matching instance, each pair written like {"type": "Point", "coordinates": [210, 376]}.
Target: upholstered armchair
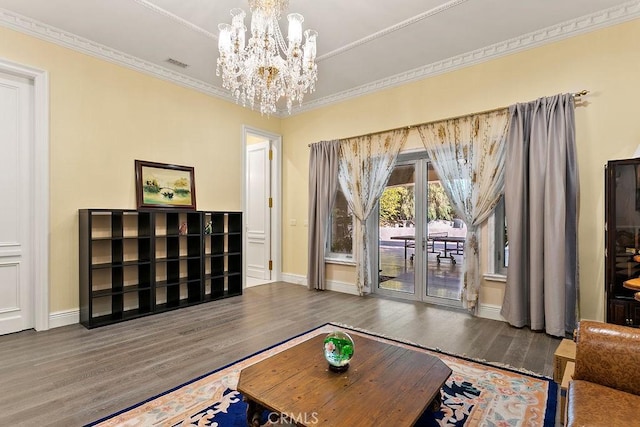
{"type": "Point", "coordinates": [605, 390]}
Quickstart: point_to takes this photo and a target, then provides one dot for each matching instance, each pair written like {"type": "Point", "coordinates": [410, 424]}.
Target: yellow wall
{"type": "Point", "coordinates": [103, 117]}
{"type": "Point", "coordinates": [606, 62]}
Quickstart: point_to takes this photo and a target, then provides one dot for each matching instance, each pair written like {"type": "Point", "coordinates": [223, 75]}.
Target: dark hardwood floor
{"type": "Point", "coordinates": [70, 376]}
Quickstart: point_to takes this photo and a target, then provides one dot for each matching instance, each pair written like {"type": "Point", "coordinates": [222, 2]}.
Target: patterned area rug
{"type": "Point", "coordinates": [476, 394]}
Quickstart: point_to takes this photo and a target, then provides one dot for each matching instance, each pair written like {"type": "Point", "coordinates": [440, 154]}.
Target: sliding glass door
{"type": "Point", "coordinates": [445, 244]}
{"type": "Point", "coordinates": [421, 242]}
{"type": "Point", "coordinates": [397, 233]}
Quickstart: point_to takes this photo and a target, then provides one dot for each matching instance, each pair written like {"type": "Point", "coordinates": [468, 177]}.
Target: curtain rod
{"type": "Point", "coordinates": [575, 95]}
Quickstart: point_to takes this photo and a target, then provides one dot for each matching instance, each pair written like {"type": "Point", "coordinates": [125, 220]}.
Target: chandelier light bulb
{"type": "Point", "coordinates": [239, 30]}
{"type": "Point", "coordinates": [310, 46]}
{"type": "Point", "coordinates": [237, 17]}
{"type": "Point", "coordinates": [258, 23]}
{"type": "Point", "coordinates": [263, 69]}
{"type": "Point", "coordinates": [295, 28]}
{"type": "Point", "coordinates": [224, 39]}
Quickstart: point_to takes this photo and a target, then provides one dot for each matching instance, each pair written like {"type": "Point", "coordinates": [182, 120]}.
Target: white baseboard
{"type": "Point", "coordinates": [64, 318]}
{"type": "Point", "coordinates": [71, 317]}
{"type": "Point", "coordinates": [345, 288]}
{"type": "Point", "coordinates": [296, 279]}
{"type": "Point", "coordinates": [332, 285]}
{"type": "Point", "coordinates": [490, 311]}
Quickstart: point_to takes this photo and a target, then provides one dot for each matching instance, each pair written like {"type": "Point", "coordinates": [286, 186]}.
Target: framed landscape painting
{"type": "Point", "coordinates": [160, 185]}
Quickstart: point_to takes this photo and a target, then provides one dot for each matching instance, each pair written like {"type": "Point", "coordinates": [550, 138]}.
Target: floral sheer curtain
{"type": "Point", "coordinates": [468, 153]}
{"type": "Point", "coordinates": [323, 183]}
{"type": "Point", "coordinates": [365, 165]}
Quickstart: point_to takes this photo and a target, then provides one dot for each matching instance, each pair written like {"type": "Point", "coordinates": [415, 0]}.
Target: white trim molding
{"type": "Point", "coordinates": [64, 318]}
{"type": "Point", "coordinates": [492, 277]}
{"type": "Point", "coordinates": [594, 21]}
{"type": "Point", "coordinates": [584, 24]}
{"type": "Point", "coordinates": [340, 260]}
{"type": "Point", "coordinates": [276, 195]}
{"type": "Point", "coordinates": [342, 287]}
{"type": "Point", "coordinates": [66, 39]}
{"type": "Point", "coordinates": [296, 279]}
{"type": "Point", "coordinates": [490, 311]}
{"type": "Point", "coordinates": [332, 285]}
{"type": "Point", "coordinates": [72, 317]}
{"type": "Point", "coordinates": [486, 311]}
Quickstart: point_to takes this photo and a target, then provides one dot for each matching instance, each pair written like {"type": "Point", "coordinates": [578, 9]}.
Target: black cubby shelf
{"type": "Point", "coordinates": [135, 263]}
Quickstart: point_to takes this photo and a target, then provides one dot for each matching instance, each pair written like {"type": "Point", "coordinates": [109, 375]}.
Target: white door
{"type": "Point", "coordinates": [16, 119]}
{"type": "Point", "coordinates": [258, 212]}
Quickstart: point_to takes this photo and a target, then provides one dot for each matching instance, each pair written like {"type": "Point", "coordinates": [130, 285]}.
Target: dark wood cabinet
{"type": "Point", "coordinates": [622, 239]}
{"type": "Point", "coordinates": [136, 263]}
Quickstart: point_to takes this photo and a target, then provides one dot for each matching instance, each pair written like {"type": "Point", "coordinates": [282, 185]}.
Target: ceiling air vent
{"type": "Point", "coordinates": [178, 63]}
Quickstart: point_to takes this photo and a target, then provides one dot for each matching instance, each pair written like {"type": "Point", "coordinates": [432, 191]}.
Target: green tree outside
{"type": "Point", "coordinates": [439, 206]}
{"type": "Point", "coordinates": [397, 205]}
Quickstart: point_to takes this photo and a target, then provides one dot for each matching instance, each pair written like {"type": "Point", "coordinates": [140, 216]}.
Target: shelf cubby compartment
{"type": "Point", "coordinates": [100, 225]}
{"type": "Point", "coordinates": [218, 221]}
{"type": "Point", "coordinates": [234, 263]}
{"type": "Point", "coordinates": [217, 263]}
{"type": "Point", "coordinates": [234, 223]}
{"type": "Point", "coordinates": [234, 284]}
{"type": "Point", "coordinates": [127, 303]}
{"type": "Point", "coordinates": [219, 287]}
{"type": "Point", "coordinates": [228, 284]}
{"type": "Point", "coordinates": [234, 244]}
{"type": "Point", "coordinates": [218, 244]}
{"type": "Point", "coordinates": [172, 296]}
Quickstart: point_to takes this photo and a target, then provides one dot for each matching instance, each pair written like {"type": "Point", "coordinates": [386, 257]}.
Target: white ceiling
{"type": "Point", "coordinates": [363, 45]}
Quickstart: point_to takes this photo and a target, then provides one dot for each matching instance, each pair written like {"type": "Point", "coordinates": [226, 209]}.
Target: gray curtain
{"type": "Point", "coordinates": [323, 183]}
{"type": "Point", "coordinates": [541, 199]}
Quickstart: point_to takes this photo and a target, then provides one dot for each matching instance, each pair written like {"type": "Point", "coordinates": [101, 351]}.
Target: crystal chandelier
{"type": "Point", "coordinates": [256, 72]}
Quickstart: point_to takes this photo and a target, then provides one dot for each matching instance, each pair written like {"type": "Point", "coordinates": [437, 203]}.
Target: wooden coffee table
{"type": "Point", "coordinates": [384, 385]}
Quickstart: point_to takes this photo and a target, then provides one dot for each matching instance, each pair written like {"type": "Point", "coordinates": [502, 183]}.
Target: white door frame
{"type": "Point", "coordinates": [40, 197]}
{"type": "Point", "coordinates": [419, 262]}
{"type": "Point", "coordinates": [257, 237]}
{"type": "Point", "coordinates": [276, 193]}
{"type": "Point", "coordinates": [421, 161]}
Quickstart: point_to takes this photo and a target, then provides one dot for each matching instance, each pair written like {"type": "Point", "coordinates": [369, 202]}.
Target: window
{"type": "Point", "coordinates": [340, 236]}
{"type": "Point", "coordinates": [501, 240]}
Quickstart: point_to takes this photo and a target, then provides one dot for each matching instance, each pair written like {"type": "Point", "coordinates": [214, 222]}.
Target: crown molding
{"type": "Point", "coordinates": [604, 18]}
{"type": "Point", "coordinates": [587, 23]}
{"type": "Point", "coordinates": [69, 40]}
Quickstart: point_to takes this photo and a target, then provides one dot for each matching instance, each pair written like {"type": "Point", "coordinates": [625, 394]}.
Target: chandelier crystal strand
{"type": "Point", "coordinates": [265, 68]}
